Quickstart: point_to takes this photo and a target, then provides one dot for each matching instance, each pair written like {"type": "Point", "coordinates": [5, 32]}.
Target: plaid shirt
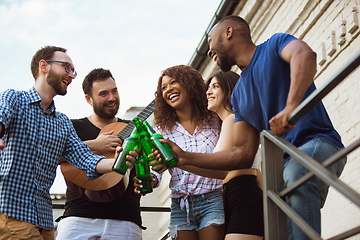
{"type": "Point", "coordinates": [34, 142]}
{"type": "Point", "coordinates": [184, 184]}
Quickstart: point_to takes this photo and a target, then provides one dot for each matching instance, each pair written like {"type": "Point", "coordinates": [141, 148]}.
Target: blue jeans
{"type": "Point", "coordinates": [204, 210]}
{"type": "Point", "coordinates": [310, 197]}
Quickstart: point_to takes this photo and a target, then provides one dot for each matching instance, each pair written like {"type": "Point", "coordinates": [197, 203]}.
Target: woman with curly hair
{"type": "Point", "coordinates": [242, 195]}
{"type": "Point", "coordinates": [181, 115]}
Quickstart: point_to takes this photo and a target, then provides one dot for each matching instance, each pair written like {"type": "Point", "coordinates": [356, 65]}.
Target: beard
{"type": "Point", "coordinates": [224, 64]}
{"type": "Point", "coordinates": [55, 81]}
{"type": "Point", "coordinates": [100, 110]}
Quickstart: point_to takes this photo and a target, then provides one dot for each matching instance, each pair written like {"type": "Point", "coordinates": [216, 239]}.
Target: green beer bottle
{"type": "Point", "coordinates": [128, 145]}
{"type": "Point", "coordinates": [168, 157]}
{"type": "Point", "coordinates": [144, 138]}
{"type": "Point", "coordinates": [142, 169]}
{"type": "Point", "coordinates": [145, 141]}
{"type": "Point", "coordinates": [147, 148]}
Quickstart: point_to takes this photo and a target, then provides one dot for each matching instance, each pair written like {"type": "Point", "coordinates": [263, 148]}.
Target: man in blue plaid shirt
{"type": "Point", "coordinates": [33, 138]}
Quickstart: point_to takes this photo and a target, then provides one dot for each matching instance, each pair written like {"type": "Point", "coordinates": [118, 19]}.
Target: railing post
{"type": "Point", "coordinates": [275, 221]}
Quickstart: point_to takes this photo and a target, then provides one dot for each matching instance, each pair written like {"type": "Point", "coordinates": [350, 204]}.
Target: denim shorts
{"type": "Point", "coordinates": [204, 210]}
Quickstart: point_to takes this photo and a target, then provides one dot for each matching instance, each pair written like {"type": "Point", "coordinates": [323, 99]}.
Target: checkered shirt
{"type": "Point", "coordinates": [34, 142]}
{"type": "Point", "coordinates": [184, 183]}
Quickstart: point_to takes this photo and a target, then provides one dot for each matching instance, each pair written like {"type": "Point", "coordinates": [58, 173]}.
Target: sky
{"type": "Point", "coordinates": [134, 39]}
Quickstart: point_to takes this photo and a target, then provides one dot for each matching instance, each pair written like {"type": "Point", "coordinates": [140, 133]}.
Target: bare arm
{"type": "Point", "coordinates": [302, 60]}
{"type": "Point", "coordinates": [157, 164]}
{"type": "Point", "coordinates": [225, 142]}
{"type": "Point", "coordinates": [105, 164]}
{"type": "Point", "coordinates": [210, 173]}
{"type": "Point", "coordinates": [246, 143]}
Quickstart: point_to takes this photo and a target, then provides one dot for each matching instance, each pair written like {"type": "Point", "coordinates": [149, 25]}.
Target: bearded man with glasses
{"type": "Point", "coordinates": [33, 138]}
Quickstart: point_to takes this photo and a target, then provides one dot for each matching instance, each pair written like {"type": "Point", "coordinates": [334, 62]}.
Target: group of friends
{"type": "Point", "coordinates": [213, 127]}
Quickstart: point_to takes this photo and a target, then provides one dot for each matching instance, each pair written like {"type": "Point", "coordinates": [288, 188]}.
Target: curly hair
{"type": "Point", "coordinates": [165, 116]}
{"type": "Point", "coordinates": [97, 74]}
{"type": "Point", "coordinates": [227, 82]}
{"type": "Point", "coordinates": [45, 53]}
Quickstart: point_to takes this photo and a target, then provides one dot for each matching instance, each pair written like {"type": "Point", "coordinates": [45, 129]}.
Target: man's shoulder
{"type": "Point", "coordinates": [79, 120]}
{"type": "Point", "coordinates": [81, 123]}
{"type": "Point", "coordinates": [282, 35]}
{"type": "Point", "coordinates": [281, 39]}
{"type": "Point", "coordinates": [12, 93]}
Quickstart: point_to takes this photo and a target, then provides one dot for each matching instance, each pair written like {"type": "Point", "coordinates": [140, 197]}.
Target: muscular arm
{"type": "Point", "coordinates": [205, 172]}
{"type": "Point", "coordinates": [225, 143]}
{"type": "Point", "coordinates": [246, 143]}
{"type": "Point", "coordinates": [302, 60]}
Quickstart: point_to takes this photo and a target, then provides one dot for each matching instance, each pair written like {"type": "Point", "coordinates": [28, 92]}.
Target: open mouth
{"type": "Point", "coordinates": [66, 82]}
{"type": "Point", "coordinates": [213, 56]}
{"type": "Point", "coordinates": [174, 96]}
{"type": "Point", "coordinates": [111, 105]}
{"type": "Point", "coordinates": [210, 98]}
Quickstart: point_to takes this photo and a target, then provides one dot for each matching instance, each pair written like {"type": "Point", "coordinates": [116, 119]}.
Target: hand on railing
{"type": "Point", "coordinates": [279, 124]}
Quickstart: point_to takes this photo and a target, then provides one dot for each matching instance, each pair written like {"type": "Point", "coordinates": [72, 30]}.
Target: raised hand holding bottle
{"type": "Point", "coordinates": [145, 141]}
{"type": "Point", "coordinates": [128, 145]}
{"type": "Point", "coordinates": [168, 157]}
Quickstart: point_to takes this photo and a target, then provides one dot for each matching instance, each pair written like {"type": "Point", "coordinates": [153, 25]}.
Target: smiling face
{"type": "Point", "coordinates": [217, 50]}
{"type": "Point", "coordinates": [105, 98]}
{"type": "Point", "coordinates": [215, 96]}
{"type": "Point", "coordinates": [57, 77]}
{"type": "Point", "coordinates": [174, 93]}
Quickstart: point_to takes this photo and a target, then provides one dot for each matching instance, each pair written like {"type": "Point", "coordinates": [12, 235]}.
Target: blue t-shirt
{"type": "Point", "coordinates": [262, 91]}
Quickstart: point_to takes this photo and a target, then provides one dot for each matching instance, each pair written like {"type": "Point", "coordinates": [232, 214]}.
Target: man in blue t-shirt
{"type": "Point", "coordinates": [276, 76]}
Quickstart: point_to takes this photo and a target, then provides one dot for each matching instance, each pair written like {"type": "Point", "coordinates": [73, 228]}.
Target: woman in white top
{"type": "Point", "coordinates": [242, 195]}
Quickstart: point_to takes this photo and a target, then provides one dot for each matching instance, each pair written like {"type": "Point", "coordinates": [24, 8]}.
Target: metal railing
{"type": "Point", "coordinates": [276, 210]}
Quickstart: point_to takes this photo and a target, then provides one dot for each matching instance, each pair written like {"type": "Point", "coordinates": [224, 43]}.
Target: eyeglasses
{"type": "Point", "coordinates": [68, 67]}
